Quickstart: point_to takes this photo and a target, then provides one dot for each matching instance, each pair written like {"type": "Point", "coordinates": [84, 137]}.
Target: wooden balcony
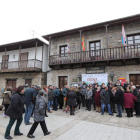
{"type": "Point", "coordinates": [21, 66]}
{"type": "Point", "coordinates": [111, 56]}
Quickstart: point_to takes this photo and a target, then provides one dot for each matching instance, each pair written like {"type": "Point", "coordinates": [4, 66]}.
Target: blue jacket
{"type": "Point", "coordinates": [64, 92]}
{"type": "Point", "coordinates": [56, 92]}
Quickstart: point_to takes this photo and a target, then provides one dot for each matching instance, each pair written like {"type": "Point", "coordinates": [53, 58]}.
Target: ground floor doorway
{"type": "Point", "coordinates": [12, 83]}
{"type": "Point", "coordinates": [63, 81]}
{"type": "Point", "coordinates": [135, 78]}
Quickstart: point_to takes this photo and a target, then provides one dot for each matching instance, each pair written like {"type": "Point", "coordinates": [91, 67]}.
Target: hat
{"type": "Point", "coordinates": [40, 92]}
{"type": "Point", "coordinates": [84, 85]}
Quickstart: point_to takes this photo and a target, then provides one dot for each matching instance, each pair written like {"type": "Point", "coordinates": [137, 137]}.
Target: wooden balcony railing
{"type": "Point", "coordinates": [32, 63]}
{"type": "Point", "coordinates": [114, 53]}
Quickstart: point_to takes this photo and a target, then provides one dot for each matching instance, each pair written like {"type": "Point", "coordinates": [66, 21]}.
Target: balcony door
{"type": "Point", "coordinates": [63, 81]}
{"type": "Point", "coordinates": [23, 60]}
{"type": "Point", "coordinates": [135, 78]}
{"type": "Point", "coordinates": [5, 59]}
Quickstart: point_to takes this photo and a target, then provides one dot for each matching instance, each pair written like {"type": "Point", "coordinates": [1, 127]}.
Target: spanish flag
{"type": "Point", "coordinates": [83, 44]}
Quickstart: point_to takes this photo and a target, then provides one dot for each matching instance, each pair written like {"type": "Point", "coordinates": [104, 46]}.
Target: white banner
{"type": "Point", "coordinates": [99, 78]}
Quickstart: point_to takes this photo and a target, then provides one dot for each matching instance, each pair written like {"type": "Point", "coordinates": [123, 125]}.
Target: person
{"type": "Point", "coordinates": [97, 99]}
{"type": "Point", "coordinates": [30, 95]}
{"type": "Point", "coordinates": [83, 95]}
{"type": "Point", "coordinates": [45, 94]}
{"type": "Point", "coordinates": [119, 100]}
{"type": "Point", "coordinates": [88, 98]}
{"type": "Point", "coordinates": [129, 99]}
{"type": "Point", "coordinates": [15, 112]}
{"type": "Point", "coordinates": [6, 100]}
{"type": "Point", "coordinates": [50, 98]}
{"type": "Point", "coordinates": [90, 85]}
{"type": "Point", "coordinates": [39, 115]}
{"type": "Point", "coordinates": [93, 96]}
{"type": "Point", "coordinates": [109, 84]}
{"type": "Point", "coordinates": [56, 93]}
{"type": "Point", "coordinates": [105, 100]}
{"type": "Point", "coordinates": [26, 87]}
{"type": "Point", "coordinates": [60, 99]}
{"type": "Point", "coordinates": [64, 92]}
{"type": "Point", "coordinates": [5, 89]}
{"type": "Point", "coordinates": [103, 86]}
{"type": "Point", "coordinates": [84, 84]}
{"type": "Point", "coordinates": [94, 84]}
{"type": "Point", "coordinates": [72, 100]}
{"type": "Point", "coordinates": [118, 83]}
{"type": "Point", "coordinates": [125, 85]}
{"type": "Point", "coordinates": [79, 97]}
{"type": "Point", "coordinates": [137, 102]}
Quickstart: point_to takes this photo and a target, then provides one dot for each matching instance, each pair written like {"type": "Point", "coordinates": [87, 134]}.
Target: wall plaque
{"type": "Point", "coordinates": [95, 70]}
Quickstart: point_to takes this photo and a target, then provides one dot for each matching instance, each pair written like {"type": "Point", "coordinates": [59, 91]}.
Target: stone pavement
{"type": "Point", "coordinates": [85, 125]}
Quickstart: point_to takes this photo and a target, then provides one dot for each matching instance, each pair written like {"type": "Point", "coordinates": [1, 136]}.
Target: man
{"type": "Point", "coordinates": [30, 95]}
{"type": "Point", "coordinates": [50, 98]}
{"type": "Point", "coordinates": [125, 85]}
{"type": "Point", "coordinates": [88, 98]}
{"type": "Point", "coordinates": [105, 100]}
{"type": "Point", "coordinates": [137, 102]}
{"type": "Point", "coordinates": [83, 95]}
{"type": "Point", "coordinates": [110, 83]}
{"type": "Point", "coordinates": [5, 89]}
{"type": "Point", "coordinates": [119, 101]}
{"type": "Point", "coordinates": [64, 93]}
{"type": "Point", "coordinates": [26, 87]}
{"type": "Point", "coordinates": [56, 93]}
{"type": "Point", "coordinates": [93, 95]}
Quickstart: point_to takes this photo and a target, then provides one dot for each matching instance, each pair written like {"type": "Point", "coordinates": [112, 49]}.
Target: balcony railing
{"type": "Point", "coordinates": [114, 53]}
{"type": "Point", "coordinates": [24, 64]}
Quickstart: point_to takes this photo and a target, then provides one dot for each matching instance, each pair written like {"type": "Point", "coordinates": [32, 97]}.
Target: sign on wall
{"type": "Point", "coordinates": [95, 70]}
{"type": "Point", "coordinates": [99, 78]}
{"type": "Point", "coordinates": [122, 80]}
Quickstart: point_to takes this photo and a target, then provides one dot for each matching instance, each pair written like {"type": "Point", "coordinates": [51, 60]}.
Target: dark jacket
{"type": "Point", "coordinates": [125, 86]}
{"type": "Point", "coordinates": [112, 96]}
{"type": "Point", "coordinates": [40, 106]}
{"type": "Point", "coordinates": [50, 94]}
{"type": "Point", "coordinates": [29, 94]}
{"type": "Point", "coordinates": [56, 92]}
{"type": "Point", "coordinates": [119, 95]}
{"type": "Point", "coordinates": [72, 98]}
{"type": "Point", "coordinates": [64, 92]}
{"type": "Point", "coordinates": [136, 94]}
{"type": "Point", "coordinates": [16, 108]}
{"type": "Point", "coordinates": [79, 97]}
{"type": "Point", "coordinates": [84, 90]}
{"type": "Point", "coordinates": [105, 98]}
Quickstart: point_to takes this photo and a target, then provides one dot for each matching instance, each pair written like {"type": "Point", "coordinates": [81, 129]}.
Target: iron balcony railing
{"type": "Point", "coordinates": [114, 53]}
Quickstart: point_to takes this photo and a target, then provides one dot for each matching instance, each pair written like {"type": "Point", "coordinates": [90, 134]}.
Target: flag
{"type": "Point", "coordinates": [68, 46]}
{"type": "Point", "coordinates": [83, 44]}
{"type": "Point", "coordinates": [123, 35]}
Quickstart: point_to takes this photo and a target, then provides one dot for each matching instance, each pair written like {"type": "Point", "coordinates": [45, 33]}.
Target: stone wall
{"type": "Point", "coordinates": [119, 72]}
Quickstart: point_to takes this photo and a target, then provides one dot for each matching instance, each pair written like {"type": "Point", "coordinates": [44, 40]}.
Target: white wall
{"type": "Point", "coordinates": [31, 54]}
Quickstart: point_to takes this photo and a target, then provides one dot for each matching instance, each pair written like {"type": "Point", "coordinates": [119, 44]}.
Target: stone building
{"type": "Point", "coordinates": [23, 62]}
{"type": "Point", "coordinates": [103, 47]}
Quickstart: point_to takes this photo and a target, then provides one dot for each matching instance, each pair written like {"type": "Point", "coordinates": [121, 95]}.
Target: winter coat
{"type": "Point", "coordinates": [125, 86]}
{"type": "Point", "coordinates": [50, 94]}
{"type": "Point", "coordinates": [94, 91]}
{"type": "Point", "coordinates": [88, 94]}
{"type": "Point", "coordinates": [64, 92]}
{"type": "Point", "coordinates": [61, 99]}
{"type": "Point", "coordinates": [71, 98]}
{"type": "Point", "coordinates": [79, 97]}
{"type": "Point", "coordinates": [56, 92]}
{"type": "Point", "coordinates": [105, 98]}
{"type": "Point", "coordinates": [16, 108]}
{"type": "Point", "coordinates": [84, 90]}
{"type": "Point", "coordinates": [7, 97]}
{"type": "Point", "coordinates": [97, 98]}
{"type": "Point", "coordinates": [40, 106]}
{"type": "Point", "coordinates": [129, 99]}
{"type": "Point", "coordinates": [112, 96]}
{"type": "Point", "coordinates": [45, 95]}
{"type": "Point", "coordinates": [136, 94]}
{"type": "Point", "coordinates": [119, 97]}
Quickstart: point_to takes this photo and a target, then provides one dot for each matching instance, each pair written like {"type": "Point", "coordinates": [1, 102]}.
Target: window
{"type": "Point", "coordinates": [63, 51]}
{"type": "Point", "coordinates": [133, 39]}
{"type": "Point", "coordinates": [63, 81]}
{"type": "Point", "coordinates": [28, 81]}
{"type": "Point", "coordinates": [95, 47]}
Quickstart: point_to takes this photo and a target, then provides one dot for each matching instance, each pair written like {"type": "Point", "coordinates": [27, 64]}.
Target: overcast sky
{"type": "Point", "coordinates": [49, 16]}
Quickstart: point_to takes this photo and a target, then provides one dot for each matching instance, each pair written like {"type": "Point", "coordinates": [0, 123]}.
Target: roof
{"type": "Point", "coordinates": [96, 26]}
{"type": "Point", "coordinates": [24, 44]}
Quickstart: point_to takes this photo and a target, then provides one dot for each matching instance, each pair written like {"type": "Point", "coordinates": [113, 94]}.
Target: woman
{"type": "Point", "coordinates": [39, 115]}
{"type": "Point", "coordinates": [97, 99]}
{"type": "Point", "coordinates": [79, 97]}
{"type": "Point", "coordinates": [61, 99]}
{"type": "Point", "coordinates": [6, 100]}
{"type": "Point", "coordinates": [15, 112]}
{"type": "Point", "coordinates": [129, 99]}
{"type": "Point", "coordinates": [72, 100]}
{"type": "Point", "coordinates": [45, 93]}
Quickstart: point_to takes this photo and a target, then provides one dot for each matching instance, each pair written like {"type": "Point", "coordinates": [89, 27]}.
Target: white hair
{"type": "Point", "coordinates": [134, 87]}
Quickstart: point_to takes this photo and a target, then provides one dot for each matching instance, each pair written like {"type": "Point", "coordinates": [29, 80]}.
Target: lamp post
{"type": "Point", "coordinates": [112, 75]}
{"type": "Point", "coordinates": [79, 76]}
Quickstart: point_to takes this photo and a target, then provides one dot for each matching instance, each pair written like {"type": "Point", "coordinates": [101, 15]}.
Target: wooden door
{"type": "Point", "coordinates": [5, 59]}
{"type": "Point", "coordinates": [28, 81]}
{"type": "Point", "coordinates": [63, 81]}
{"type": "Point", "coordinates": [23, 60]}
{"type": "Point", "coordinates": [135, 78]}
{"type": "Point", "coordinates": [12, 83]}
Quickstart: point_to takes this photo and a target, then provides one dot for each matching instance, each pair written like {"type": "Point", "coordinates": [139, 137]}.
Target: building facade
{"type": "Point", "coordinates": [23, 62]}
{"type": "Point", "coordinates": [103, 47]}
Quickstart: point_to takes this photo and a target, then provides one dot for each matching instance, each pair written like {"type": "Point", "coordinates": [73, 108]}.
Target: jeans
{"type": "Point", "coordinates": [55, 104]}
{"type": "Point", "coordinates": [108, 106]}
{"type": "Point", "coordinates": [119, 110]}
{"type": "Point", "coordinates": [11, 122]}
{"type": "Point", "coordinates": [89, 104]}
{"type": "Point", "coordinates": [28, 112]}
{"type": "Point", "coordinates": [50, 102]}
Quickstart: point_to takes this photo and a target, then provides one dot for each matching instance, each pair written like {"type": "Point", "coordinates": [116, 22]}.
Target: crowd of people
{"type": "Point", "coordinates": [36, 102]}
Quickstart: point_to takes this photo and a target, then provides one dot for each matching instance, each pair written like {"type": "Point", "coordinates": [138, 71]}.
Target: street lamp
{"type": "Point", "coordinates": [79, 76]}
{"type": "Point", "coordinates": [112, 75]}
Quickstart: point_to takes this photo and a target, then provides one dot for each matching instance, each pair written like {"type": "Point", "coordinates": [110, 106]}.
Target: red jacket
{"type": "Point", "coordinates": [129, 99]}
